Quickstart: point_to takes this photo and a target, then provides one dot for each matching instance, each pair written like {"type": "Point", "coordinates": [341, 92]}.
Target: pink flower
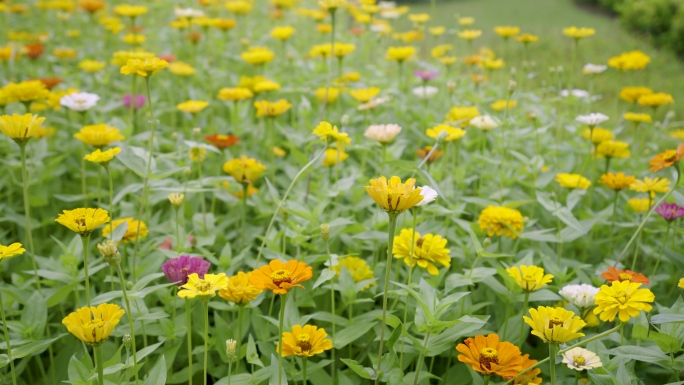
{"type": "Point", "coordinates": [138, 102]}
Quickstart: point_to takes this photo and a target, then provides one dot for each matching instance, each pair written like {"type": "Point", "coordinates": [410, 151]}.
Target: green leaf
{"type": "Point", "coordinates": [352, 333]}
{"type": "Point", "coordinates": [158, 374]}
{"type": "Point", "coordinates": [666, 343]}
{"type": "Point", "coordinates": [77, 371]}
{"type": "Point", "coordinates": [362, 371]}
{"type": "Point", "coordinates": [34, 315]}
{"type": "Point", "coordinates": [252, 354]}
{"type": "Point", "coordinates": [273, 380]}
{"type": "Point", "coordinates": [33, 347]}
{"type": "Point", "coordinates": [642, 353]}
{"type": "Point", "coordinates": [324, 277]}
{"type": "Point", "coordinates": [142, 353]}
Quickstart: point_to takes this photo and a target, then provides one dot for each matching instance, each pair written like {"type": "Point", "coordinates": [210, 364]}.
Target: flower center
{"type": "Point", "coordinates": [280, 276]}
{"type": "Point", "coordinates": [304, 342]}
{"type": "Point", "coordinates": [419, 242]}
{"type": "Point", "coordinates": [625, 277]}
{"type": "Point", "coordinates": [555, 321]}
{"type": "Point", "coordinates": [579, 360]}
{"type": "Point", "coordinates": [203, 285]}
{"type": "Point", "coordinates": [487, 357]}
{"type": "Point", "coordinates": [622, 297]}
{"type": "Point", "coordinates": [81, 222]}
{"type": "Point", "coordinates": [670, 156]}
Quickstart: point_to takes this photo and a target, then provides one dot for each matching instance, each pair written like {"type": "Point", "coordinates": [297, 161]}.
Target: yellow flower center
{"type": "Point", "coordinates": [304, 342]}
{"type": "Point", "coordinates": [670, 156]}
{"type": "Point", "coordinates": [203, 285]}
{"type": "Point", "coordinates": [487, 357]}
{"type": "Point", "coordinates": [555, 321]}
{"type": "Point", "coordinates": [625, 277]}
{"type": "Point", "coordinates": [622, 297]}
{"type": "Point", "coordinates": [280, 276]}
{"type": "Point", "coordinates": [80, 222]}
{"type": "Point", "coordinates": [579, 360]}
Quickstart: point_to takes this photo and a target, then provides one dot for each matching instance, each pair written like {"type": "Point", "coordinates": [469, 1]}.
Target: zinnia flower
{"type": "Point", "coordinates": [26, 91]}
{"type": "Point", "coordinates": [640, 205]}
{"type": "Point", "coordinates": [638, 117]}
{"type": "Point", "coordinates": [469, 34]}
{"type": "Point", "coordinates": [581, 359]}
{"type": "Point", "coordinates": [178, 269]}
{"type": "Point", "coordinates": [243, 169]}
{"type": "Point", "coordinates": [102, 157]}
{"type": "Point", "coordinates": [529, 278]}
{"type": "Point", "coordinates": [206, 286]}
{"type": "Point", "coordinates": [330, 133]}
{"type": "Point", "coordinates": [305, 341]}
{"type": "Point", "coordinates": [490, 356]}
{"type": "Point", "coordinates": [670, 211]}
{"type": "Point", "coordinates": [427, 250]}
{"type": "Point", "coordinates": [573, 181]}
{"type": "Point", "coordinates": [425, 92]}
{"type": "Point", "coordinates": [484, 122]}
{"type": "Point", "coordinates": [429, 194]}
{"type": "Point", "coordinates": [12, 250]}
{"type": "Point", "coordinates": [145, 67]}
{"type": "Point", "coordinates": [83, 220]}
{"type": "Point", "coordinates": [363, 95]}
{"type": "Point", "coordinates": [131, 230]}
{"type": "Point", "coordinates": [239, 290]}
{"type": "Point", "coordinates": [461, 115]}
{"type": "Point", "coordinates": [581, 296]}
{"type": "Point", "coordinates": [222, 141]}
{"type": "Point", "coordinates": [400, 54]}
{"type": "Point", "coordinates": [592, 120]}
{"type": "Point", "coordinates": [501, 220]}
{"type": "Point", "coordinates": [617, 182]}
{"type": "Point", "coordinates": [506, 31]}
{"type": "Point", "coordinates": [667, 158]}
{"type": "Point", "coordinates": [597, 135]}
{"type": "Point", "coordinates": [280, 277]}
{"type": "Point", "coordinates": [632, 94]}
{"type": "Point", "coordinates": [264, 108]}
{"type": "Point", "coordinates": [257, 56]}
{"type": "Point", "coordinates": [333, 156]}
{"type": "Point", "coordinates": [394, 196]}
{"type": "Point", "coordinates": [578, 33]}
{"type": "Point", "coordinates": [383, 133]}
{"type": "Point", "coordinates": [192, 106]}
{"type": "Point", "coordinates": [612, 274]}
{"type": "Point", "coordinates": [235, 94]}
{"type": "Point", "coordinates": [651, 186]}
{"type": "Point", "coordinates": [452, 133]}
{"type": "Point", "coordinates": [423, 152]}
{"type": "Point", "coordinates": [20, 127]}
{"type": "Point", "coordinates": [612, 149]}
{"type": "Point", "coordinates": [655, 100]}
{"type": "Point", "coordinates": [357, 268]}
{"type": "Point", "coordinates": [530, 376]}
{"type": "Point", "coordinates": [99, 135]}
{"type": "Point", "coordinates": [554, 325]}
{"type": "Point", "coordinates": [138, 101]}
{"type": "Point", "coordinates": [622, 299]}
{"type": "Point", "coordinates": [93, 325]}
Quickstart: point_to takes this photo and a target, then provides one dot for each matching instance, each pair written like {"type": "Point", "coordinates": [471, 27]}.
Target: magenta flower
{"type": "Point", "coordinates": [670, 211]}
{"type": "Point", "coordinates": [138, 102]}
{"type": "Point", "coordinates": [425, 75]}
{"type": "Point", "coordinates": [178, 269]}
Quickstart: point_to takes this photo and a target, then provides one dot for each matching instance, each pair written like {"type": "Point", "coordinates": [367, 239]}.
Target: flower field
{"type": "Point", "coordinates": [334, 193]}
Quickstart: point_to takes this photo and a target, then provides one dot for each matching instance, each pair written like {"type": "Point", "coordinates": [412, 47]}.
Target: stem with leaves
{"type": "Point", "coordinates": [388, 270]}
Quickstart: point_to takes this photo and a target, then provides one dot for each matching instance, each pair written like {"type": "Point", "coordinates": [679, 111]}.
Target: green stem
{"type": "Point", "coordinates": [552, 363]}
{"type": "Point", "coordinates": [122, 282]}
{"type": "Point", "coordinates": [205, 303]}
{"type": "Point", "coordinates": [486, 380]}
{"type": "Point", "coordinates": [188, 321]}
{"type": "Point", "coordinates": [178, 240]}
{"type": "Point", "coordinates": [86, 242]}
{"type": "Point", "coordinates": [27, 214]}
{"type": "Point", "coordinates": [414, 211]}
{"type": "Point", "coordinates": [332, 310]}
{"type": "Point", "coordinates": [7, 340]}
{"type": "Point", "coordinates": [245, 188]}
{"type": "Point", "coordinates": [99, 364]}
{"type": "Point", "coordinates": [304, 379]}
{"type": "Point", "coordinates": [522, 325]}
{"type": "Point", "coordinates": [503, 147]}
{"type": "Point", "coordinates": [421, 358]}
{"type": "Point", "coordinates": [241, 311]}
{"type": "Point", "coordinates": [281, 319]}
{"type": "Point", "coordinates": [388, 270]}
{"type": "Point", "coordinates": [203, 202]}
{"type": "Point", "coordinates": [612, 225]}
{"type": "Point", "coordinates": [111, 202]}
{"type": "Point", "coordinates": [662, 249]}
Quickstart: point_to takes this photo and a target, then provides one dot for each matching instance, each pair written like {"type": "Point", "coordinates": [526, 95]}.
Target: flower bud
{"type": "Point", "coordinates": [174, 136]}
{"type": "Point", "coordinates": [511, 86]}
{"type": "Point", "coordinates": [325, 231]}
{"type": "Point", "coordinates": [441, 137]}
{"type": "Point", "coordinates": [344, 120]}
{"type": "Point", "coordinates": [127, 340]}
{"type": "Point", "coordinates": [187, 172]}
{"type": "Point", "coordinates": [176, 199]}
{"type": "Point", "coordinates": [110, 252]}
{"type": "Point", "coordinates": [196, 131]}
{"type": "Point", "coordinates": [487, 241]}
{"type": "Point", "coordinates": [231, 350]}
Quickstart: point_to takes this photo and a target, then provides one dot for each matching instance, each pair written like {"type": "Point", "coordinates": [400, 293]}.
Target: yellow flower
{"type": "Point", "coordinates": [655, 100]}
{"type": "Point", "coordinates": [145, 67]}
{"type": "Point", "coordinates": [357, 268]}
{"type": "Point", "coordinates": [131, 11]}
{"type": "Point", "coordinates": [224, 24]}
{"type": "Point", "coordinates": [192, 106]}
{"type": "Point", "coordinates": [197, 154]}
{"type": "Point", "coordinates": [677, 134]}
{"type": "Point", "coordinates": [333, 157]}
{"type": "Point", "coordinates": [503, 104]}
{"type": "Point", "coordinates": [349, 77]}
{"type": "Point", "coordinates": [437, 31]}
{"type": "Point", "coordinates": [506, 31]}
{"type": "Point", "coordinates": [529, 278]}
{"type": "Point", "coordinates": [324, 28]}
{"type": "Point", "coordinates": [578, 33]}
{"type": "Point", "coordinates": [91, 6]}
{"type": "Point", "coordinates": [330, 133]}
{"type": "Point", "coordinates": [64, 53]}
{"type": "Point", "coordinates": [453, 133]}
{"type": "Point", "coordinates": [266, 85]}
{"type": "Point", "coordinates": [181, 69]}
{"type": "Point", "coordinates": [332, 5]}
{"type": "Point", "coordinates": [363, 95]}
{"type": "Point", "coordinates": [447, 60]}
{"type": "Point", "coordinates": [91, 66]}
{"type": "Point", "coordinates": [554, 325]}
{"type": "Point", "coordinates": [235, 94]}
{"type": "Point", "coordinates": [121, 58]}
{"type": "Point", "coordinates": [461, 115]}
{"type": "Point", "coordinates": [282, 33]}
{"type": "Point", "coordinates": [427, 250]}
{"type": "Point", "coordinates": [441, 50]}
{"type": "Point", "coordinates": [394, 196]}
{"type": "Point", "coordinates": [258, 55]}
{"type": "Point", "coordinates": [6, 53]}
{"type": "Point", "coordinates": [613, 149]}
{"type": "Point", "coordinates": [93, 325]}
{"type": "Point", "coordinates": [243, 169]}
{"type": "Point", "coordinates": [206, 286]}
{"type": "Point", "coordinates": [305, 341]}
{"type": "Point", "coordinates": [103, 157]}
{"type": "Point", "coordinates": [99, 135]}
{"type": "Point", "coordinates": [651, 186]}
{"type": "Point", "coordinates": [327, 94]}
{"type": "Point", "coordinates": [264, 108]}
{"type": "Point", "coordinates": [469, 34]}
{"type": "Point", "coordinates": [83, 220]}
{"type": "Point", "coordinates": [501, 220]}
{"type": "Point", "coordinates": [279, 152]}
{"type": "Point", "coordinates": [573, 181]}
{"type": "Point", "coordinates": [20, 128]}
{"type": "Point", "coordinates": [493, 64]}
{"type": "Point", "coordinates": [527, 38]}
{"type": "Point", "coordinates": [681, 283]}
{"type": "Point", "coordinates": [26, 91]}
{"type": "Point", "coordinates": [239, 290]}
{"type": "Point", "coordinates": [638, 117]}
{"type": "Point", "coordinates": [280, 277]}
{"type": "Point", "coordinates": [238, 7]}
{"type": "Point", "coordinates": [419, 18]}
{"type": "Point", "coordinates": [466, 21]}
{"type": "Point", "coordinates": [240, 193]}
{"type": "Point", "coordinates": [623, 299]}
{"type": "Point", "coordinates": [176, 199]}
{"type": "Point", "coordinates": [134, 39]}
{"type": "Point", "coordinates": [633, 60]}
{"type": "Point", "coordinates": [131, 230]}
{"type": "Point", "coordinates": [13, 250]}
{"type": "Point", "coordinates": [617, 181]}
{"type": "Point", "coordinates": [400, 54]}
{"type": "Point", "coordinates": [598, 135]}
{"type": "Point", "coordinates": [632, 94]}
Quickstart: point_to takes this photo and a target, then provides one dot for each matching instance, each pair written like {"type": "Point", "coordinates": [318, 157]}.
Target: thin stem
{"type": "Point", "coordinates": [503, 147]}
{"type": "Point", "coordinates": [178, 240]}
{"type": "Point", "coordinates": [203, 202]}
{"type": "Point", "coordinates": [304, 379]}
{"type": "Point", "coordinates": [332, 310]}
{"type": "Point", "coordinates": [662, 249]}
{"type": "Point", "coordinates": [283, 299]}
{"type": "Point", "coordinates": [522, 325]}
{"type": "Point", "coordinates": [205, 303]}
{"type": "Point", "coordinates": [245, 188]}
{"type": "Point", "coordinates": [421, 358]}
{"type": "Point", "coordinates": [27, 214]}
{"type": "Point", "coordinates": [130, 320]}
{"type": "Point", "coordinates": [486, 380]}
{"type": "Point", "coordinates": [99, 364]}
{"type": "Point", "coordinates": [111, 202]}
{"type": "Point", "coordinates": [86, 242]}
{"type": "Point", "coordinates": [188, 321]}
{"type": "Point", "coordinates": [612, 225]}
{"type": "Point", "coordinates": [241, 311]}
{"type": "Point", "coordinates": [388, 270]}
{"type": "Point", "coordinates": [414, 211]}
{"type": "Point", "coordinates": [552, 363]}
{"type": "Point", "coordinates": [7, 340]}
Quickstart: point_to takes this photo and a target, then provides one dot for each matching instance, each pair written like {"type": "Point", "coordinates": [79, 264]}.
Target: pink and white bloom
{"type": "Point", "coordinates": [383, 133]}
{"type": "Point", "coordinates": [79, 101]}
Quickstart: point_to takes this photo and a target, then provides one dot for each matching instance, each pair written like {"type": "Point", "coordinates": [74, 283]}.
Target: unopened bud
{"type": "Point", "coordinates": [487, 241]}
{"type": "Point", "coordinates": [127, 340]}
{"type": "Point", "coordinates": [196, 130]}
{"type": "Point", "coordinates": [441, 137]}
{"type": "Point", "coordinates": [187, 171]}
{"type": "Point", "coordinates": [231, 350]}
{"type": "Point", "coordinates": [174, 136]}
{"type": "Point", "coordinates": [512, 85]}
{"type": "Point", "coordinates": [176, 199]}
{"type": "Point", "coordinates": [451, 85]}
{"type": "Point", "coordinates": [344, 120]}
{"type": "Point", "coordinates": [325, 231]}
{"type": "Point", "coordinates": [110, 252]}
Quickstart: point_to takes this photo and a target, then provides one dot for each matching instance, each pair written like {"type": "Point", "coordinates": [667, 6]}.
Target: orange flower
{"type": "Point", "coordinates": [34, 50]}
{"type": "Point", "coordinates": [50, 83]}
{"type": "Point", "coordinates": [222, 141]}
{"type": "Point", "coordinates": [488, 356]}
{"type": "Point", "coordinates": [281, 277]}
{"type": "Point", "coordinates": [612, 274]}
{"type": "Point", "coordinates": [530, 376]}
{"type": "Point", "coordinates": [423, 152]}
{"type": "Point", "coordinates": [667, 158]}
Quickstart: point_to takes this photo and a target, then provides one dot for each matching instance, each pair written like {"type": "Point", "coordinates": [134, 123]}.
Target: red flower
{"type": "Point", "coordinates": [169, 57]}
{"type": "Point", "coordinates": [222, 141]}
{"type": "Point", "coordinates": [34, 50]}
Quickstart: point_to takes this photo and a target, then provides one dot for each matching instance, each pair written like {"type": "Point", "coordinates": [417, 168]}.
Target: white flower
{"type": "Point", "coordinates": [387, 4]}
{"type": "Point", "coordinates": [425, 92]}
{"type": "Point", "coordinates": [592, 69]}
{"type": "Point", "coordinates": [377, 28]}
{"type": "Point", "coordinates": [579, 94]}
{"type": "Point", "coordinates": [581, 359]}
{"type": "Point", "coordinates": [390, 14]}
{"type": "Point", "coordinates": [383, 133]}
{"type": "Point", "coordinates": [484, 122]}
{"type": "Point", "coordinates": [592, 120]}
{"type": "Point", "coordinates": [373, 103]}
{"type": "Point", "coordinates": [79, 101]}
{"type": "Point", "coordinates": [187, 13]}
{"type": "Point", "coordinates": [429, 195]}
{"type": "Point", "coordinates": [581, 296]}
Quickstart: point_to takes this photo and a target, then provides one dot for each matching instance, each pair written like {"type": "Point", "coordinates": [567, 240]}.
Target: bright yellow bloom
{"type": "Point", "coordinates": [327, 94]}
{"type": "Point", "coordinates": [681, 283]}
{"type": "Point", "coordinates": [206, 286]}
{"type": "Point", "coordinates": [503, 104]}
{"type": "Point", "coordinates": [131, 11]}
{"type": "Point", "coordinates": [134, 39]}
{"type": "Point", "coordinates": [99, 135]}
{"type": "Point", "coordinates": [103, 157]}
{"type": "Point", "coordinates": [280, 277]}
{"type": "Point", "coordinates": [224, 24]}
{"type": "Point", "coordinates": [357, 268]}
{"type": "Point", "coordinates": [639, 205]}
{"type": "Point", "coordinates": [92, 66]}
{"type": "Point", "coordinates": [266, 85]}
{"type": "Point", "coordinates": [437, 31]}
{"type": "Point", "coordinates": [6, 53]}
{"type": "Point", "coordinates": [282, 33]}
{"type": "Point", "coordinates": [83, 220]}
{"type": "Point", "coordinates": [305, 341]}
{"type": "Point", "coordinates": [441, 50]}
{"type": "Point", "coordinates": [332, 5]}
{"type": "Point", "coordinates": [466, 21]}
{"type": "Point", "coordinates": [598, 135]}
{"type": "Point", "coordinates": [235, 94]}
{"type": "Point", "coordinates": [493, 64]}
{"type": "Point", "coordinates": [363, 95]}
{"type": "Point", "coordinates": [131, 230]}
{"type": "Point", "coordinates": [529, 278]}
{"type": "Point", "coordinates": [617, 182]}
{"type": "Point", "coordinates": [554, 325]}
{"type": "Point", "coordinates": [453, 133]}
{"type": "Point", "coordinates": [632, 94]}
{"type": "Point", "coordinates": [655, 100]}
{"type": "Point", "coordinates": [461, 115]}
{"type": "Point", "coordinates": [264, 108]}
{"type": "Point", "coordinates": [501, 220]}
{"type": "Point", "coordinates": [279, 152]}
{"type": "Point", "coordinates": [324, 28]}
{"type": "Point", "coordinates": [64, 53]}
{"type": "Point", "coordinates": [93, 325]}
{"type": "Point", "coordinates": [238, 7]}
{"type": "Point", "coordinates": [612, 149]}
{"type": "Point", "coordinates": [20, 127]}
{"type": "Point", "coordinates": [633, 60]}
{"type": "Point", "coordinates": [145, 67]}
{"type": "Point", "coordinates": [622, 299]}
{"type": "Point", "coordinates": [330, 133]}
{"type": "Point", "coordinates": [121, 58]}
{"type": "Point", "coordinates": [181, 69]}
{"type": "Point", "coordinates": [243, 169]}
{"type": "Point", "coordinates": [13, 250]}
{"type": "Point", "coordinates": [258, 55]}
{"type": "Point", "coordinates": [333, 156]}
{"type": "Point", "coordinates": [26, 91]}
{"type": "Point", "coordinates": [573, 181]}
{"type": "Point", "coordinates": [427, 250]}
{"type": "Point", "coordinates": [527, 38]}
{"type": "Point", "coordinates": [400, 54]}
{"type": "Point", "coordinates": [197, 154]}
{"type": "Point", "coordinates": [506, 31]}
{"type": "Point", "coordinates": [578, 33]}
{"type": "Point", "coordinates": [192, 106]}
{"type": "Point", "coordinates": [394, 196]}
{"type": "Point", "coordinates": [638, 117]}
{"type": "Point", "coordinates": [677, 134]}
{"type": "Point", "coordinates": [651, 186]}
{"type": "Point", "coordinates": [91, 6]}
{"type": "Point", "coordinates": [239, 290]}
{"type": "Point", "coordinates": [447, 60]}
{"type": "Point", "coordinates": [349, 77]}
{"type": "Point", "coordinates": [470, 34]}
